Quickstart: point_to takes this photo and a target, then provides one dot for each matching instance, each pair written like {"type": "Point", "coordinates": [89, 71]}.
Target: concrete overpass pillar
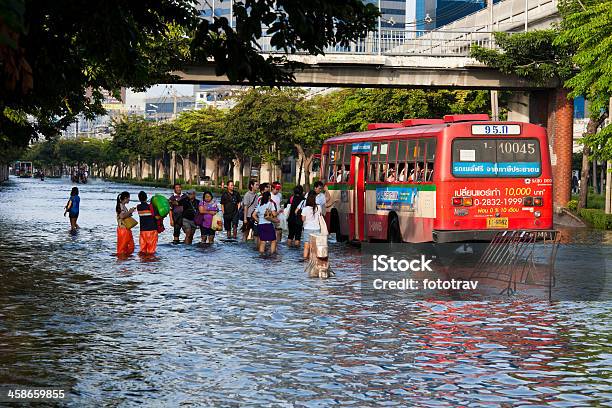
{"type": "Point", "coordinates": [518, 107]}
{"type": "Point", "coordinates": [560, 138]}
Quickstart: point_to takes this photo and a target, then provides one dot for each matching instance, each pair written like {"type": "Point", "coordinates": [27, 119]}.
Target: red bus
{"type": "Point", "coordinates": [457, 179]}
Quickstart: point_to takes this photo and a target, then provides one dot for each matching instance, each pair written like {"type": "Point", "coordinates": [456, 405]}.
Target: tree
{"type": "Point", "coordinates": [586, 28]}
{"type": "Point", "coordinates": [356, 108]}
{"type": "Point", "coordinates": [534, 55]}
{"type": "Point", "coordinates": [261, 124]}
{"type": "Point", "coordinates": [57, 56]}
{"type": "Point", "coordinates": [312, 129]}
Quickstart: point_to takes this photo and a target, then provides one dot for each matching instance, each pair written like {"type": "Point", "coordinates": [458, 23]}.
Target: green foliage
{"type": "Point", "coordinates": [587, 27]}
{"type": "Point", "coordinates": [535, 55]}
{"type": "Point", "coordinates": [597, 218]}
{"type": "Point", "coordinates": [358, 107]}
{"type": "Point", "coordinates": [263, 123]}
{"type": "Point", "coordinates": [572, 205]}
{"type": "Point", "coordinates": [589, 30]}
{"type": "Point", "coordinates": [57, 56]}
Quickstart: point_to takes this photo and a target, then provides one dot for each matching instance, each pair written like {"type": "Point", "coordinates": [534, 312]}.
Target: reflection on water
{"type": "Point", "coordinates": [219, 325]}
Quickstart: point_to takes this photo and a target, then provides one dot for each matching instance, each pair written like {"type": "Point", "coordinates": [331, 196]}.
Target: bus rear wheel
{"type": "Point", "coordinates": [393, 230]}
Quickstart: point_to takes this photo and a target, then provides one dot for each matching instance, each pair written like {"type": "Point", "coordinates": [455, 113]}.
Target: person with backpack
{"type": "Point", "coordinates": [294, 218]}
{"type": "Point", "coordinates": [149, 225]}
{"type": "Point", "coordinates": [230, 204]}
{"type": "Point", "coordinates": [264, 215]}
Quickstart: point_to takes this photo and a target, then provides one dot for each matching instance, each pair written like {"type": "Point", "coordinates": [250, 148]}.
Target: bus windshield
{"type": "Point", "coordinates": [498, 157]}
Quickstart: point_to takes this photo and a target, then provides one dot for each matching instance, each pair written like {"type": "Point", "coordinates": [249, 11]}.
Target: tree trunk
{"type": "Point", "coordinates": [594, 177]}
{"type": "Point", "coordinates": [584, 177]}
{"type": "Point", "coordinates": [215, 177]}
{"type": "Point", "coordinates": [602, 177]}
{"type": "Point", "coordinates": [198, 168]}
{"type": "Point", "coordinates": [299, 177]}
{"type": "Point", "coordinates": [173, 167]}
{"type": "Point", "coordinates": [591, 129]}
{"type": "Point", "coordinates": [307, 165]}
{"type": "Point", "coordinates": [608, 206]}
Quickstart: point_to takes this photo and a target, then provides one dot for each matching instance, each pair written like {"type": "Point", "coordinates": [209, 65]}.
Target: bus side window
{"type": "Point", "coordinates": [391, 174]}
{"type": "Point", "coordinates": [401, 173]}
{"type": "Point", "coordinates": [412, 155]}
{"type": "Point", "coordinates": [430, 156]}
{"type": "Point", "coordinates": [382, 157]}
{"type": "Point", "coordinates": [332, 163]}
{"type": "Point", "coordinates": [346, 163]}
{"type": "Point", "coordinates": [373, 176]}
{"type": "Point", "coordinates": [338, 164]}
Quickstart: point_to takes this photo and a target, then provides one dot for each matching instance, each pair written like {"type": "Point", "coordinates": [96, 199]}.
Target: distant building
{"type": "Point", "coordinates": [221, 97]}
{"type": "Point", "coordinates": [162, 107]}
{"type": "Point", "coordinates": [100, 126]}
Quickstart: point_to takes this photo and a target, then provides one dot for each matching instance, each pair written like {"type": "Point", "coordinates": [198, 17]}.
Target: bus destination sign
{"type": "Point", "coordinates": [363, 147]}
{"type": "Point", "coordinates": [496, 129]}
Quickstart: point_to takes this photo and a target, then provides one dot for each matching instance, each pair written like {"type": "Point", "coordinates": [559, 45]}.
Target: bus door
{"type": "Point", "coordinates": [359, 164]}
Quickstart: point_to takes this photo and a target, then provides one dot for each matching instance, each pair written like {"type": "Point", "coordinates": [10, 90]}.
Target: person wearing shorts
{"type": "Point", "coordinates": [190, 208]}
{"type": "Point", "coordinates": [72, 208]}
{"type": "Point", "coordinates": [208, 208]}
{"type": "Point", "coordinates": [310, 217]}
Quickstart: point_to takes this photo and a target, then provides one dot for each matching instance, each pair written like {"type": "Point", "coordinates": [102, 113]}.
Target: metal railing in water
{"type": "Point", "coordinates": [520, 258]}
{"type": "Point", "coordinates": [406, 43]}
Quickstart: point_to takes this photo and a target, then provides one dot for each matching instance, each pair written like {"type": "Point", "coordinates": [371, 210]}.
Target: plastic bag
{"type": "Point", "coordinates": [161, 205]}
{"type": "Point", "coordinates": [125, 241]}
{"type": "Point", "coordinates": [217, 222]}
{"type": "Point", "coordinates": [282, 221]}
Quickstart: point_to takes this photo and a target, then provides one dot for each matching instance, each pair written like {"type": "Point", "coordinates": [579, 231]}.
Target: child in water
{"type": "Point", "coordinates": [148, 225]}
{"type": "Point", "coordinates": [72, 209]}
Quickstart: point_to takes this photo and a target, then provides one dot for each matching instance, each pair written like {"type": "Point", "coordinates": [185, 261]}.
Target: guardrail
{"type": "Point", "coordinates": [406, 43]}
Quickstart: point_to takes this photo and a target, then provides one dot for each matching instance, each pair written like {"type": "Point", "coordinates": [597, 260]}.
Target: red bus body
{"type": "Point", "coordinates": [444, 205]}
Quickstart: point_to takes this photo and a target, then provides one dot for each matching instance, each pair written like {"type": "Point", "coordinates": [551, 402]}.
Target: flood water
{"type": "Point", "coordinates": [220, 326]}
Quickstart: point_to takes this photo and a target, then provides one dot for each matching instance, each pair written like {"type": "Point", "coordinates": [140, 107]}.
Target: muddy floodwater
{"type": "Point", "coordinates": [220, 326]}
